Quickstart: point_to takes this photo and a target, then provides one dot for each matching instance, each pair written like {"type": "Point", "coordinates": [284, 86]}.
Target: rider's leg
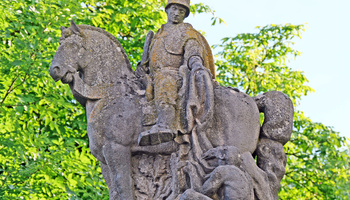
{"type": "Point", "coordinates": [166, 88]}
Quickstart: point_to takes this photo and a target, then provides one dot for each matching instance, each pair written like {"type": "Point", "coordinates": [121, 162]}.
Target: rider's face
{"type": "Point", "coordinates": [176, 14]}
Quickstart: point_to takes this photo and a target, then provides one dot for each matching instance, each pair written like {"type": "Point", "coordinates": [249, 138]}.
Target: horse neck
{"type": "Point", "coordinates": [105, 63]}
{"type": "Point", "coordinates": [104, 71]}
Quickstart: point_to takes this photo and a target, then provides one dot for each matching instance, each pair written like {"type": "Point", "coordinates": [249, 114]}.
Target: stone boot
{"type": "Point", "coordinates": [162, 131]}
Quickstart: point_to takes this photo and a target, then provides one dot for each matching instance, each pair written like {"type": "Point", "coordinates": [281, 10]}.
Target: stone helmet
{"type": "Point", "coordinates": [185, 3]}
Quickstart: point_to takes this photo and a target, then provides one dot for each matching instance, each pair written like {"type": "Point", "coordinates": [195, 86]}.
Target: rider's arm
{"type": "Point", "coordinates": [193, 55]}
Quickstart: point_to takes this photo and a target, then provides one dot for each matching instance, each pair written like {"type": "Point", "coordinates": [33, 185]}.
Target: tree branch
{"type": "Point", "coordinates": [9, 90]}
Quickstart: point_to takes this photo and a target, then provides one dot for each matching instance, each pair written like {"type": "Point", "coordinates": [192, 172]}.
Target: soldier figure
{"type": "Point", "coordinates": [176, 45]}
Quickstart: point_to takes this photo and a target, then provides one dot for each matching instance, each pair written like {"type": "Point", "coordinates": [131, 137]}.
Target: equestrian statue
{"type": "Point", "coordinates": [168, 130]}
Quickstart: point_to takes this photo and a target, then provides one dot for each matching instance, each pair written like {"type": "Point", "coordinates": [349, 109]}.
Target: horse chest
{"type": "Point", "coordinates": [116, 119]}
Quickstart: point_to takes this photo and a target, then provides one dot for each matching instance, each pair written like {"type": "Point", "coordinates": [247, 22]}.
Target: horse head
{"type": "Point", "coordinates": [92, 52]}
{"type": "Point", "coordinates": [65, 60]}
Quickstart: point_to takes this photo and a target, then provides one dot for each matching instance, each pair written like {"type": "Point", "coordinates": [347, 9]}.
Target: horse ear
{"type": "Point", "coordinates": [62, 29]}
{"type": "Point", "coordinates": [75, 29]}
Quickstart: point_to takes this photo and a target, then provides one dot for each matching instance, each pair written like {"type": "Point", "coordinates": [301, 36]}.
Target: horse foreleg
{"type": "Point", "coordinates": [113, 194]}
{"type": "Point", "coordinates": [118, 158]}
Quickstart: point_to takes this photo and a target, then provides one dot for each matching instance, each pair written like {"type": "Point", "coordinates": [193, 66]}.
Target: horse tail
{"type": "Point", "coordinates": [275, 132]}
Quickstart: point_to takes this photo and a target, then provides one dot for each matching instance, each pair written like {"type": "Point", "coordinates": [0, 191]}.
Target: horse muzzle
{"type": "Point", "coordinates": [58, 72]}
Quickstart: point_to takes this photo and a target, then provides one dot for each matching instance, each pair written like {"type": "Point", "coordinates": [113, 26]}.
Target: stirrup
{"type": "Point", "coordinates": [156, 135]}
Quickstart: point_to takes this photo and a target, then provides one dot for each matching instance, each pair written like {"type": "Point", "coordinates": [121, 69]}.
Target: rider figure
{"type": "Point", "coordinates": [175, 45]}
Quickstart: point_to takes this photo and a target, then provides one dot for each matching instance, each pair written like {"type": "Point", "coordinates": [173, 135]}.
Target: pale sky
{"type": "Point", "coordinates": [325, 46]}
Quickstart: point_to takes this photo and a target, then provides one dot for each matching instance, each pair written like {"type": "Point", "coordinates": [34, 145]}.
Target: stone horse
{"type": "Point", "coordinates": [98, 71]}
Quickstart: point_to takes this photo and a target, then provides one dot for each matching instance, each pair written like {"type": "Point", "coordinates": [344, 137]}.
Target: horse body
{"type": "Point", "coordinates": [236, 118]}
{"type": "Point", "coordinates": [95, 65]}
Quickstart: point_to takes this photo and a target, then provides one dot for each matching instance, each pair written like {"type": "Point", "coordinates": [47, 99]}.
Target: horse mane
{"type": "Point", "coordinates": [110, 36]}
{"type": "Point", "coordinates": [92, 28]}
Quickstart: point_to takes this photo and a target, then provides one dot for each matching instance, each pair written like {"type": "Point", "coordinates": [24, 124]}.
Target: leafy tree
{"type": "Point", "coordinates": [43, 142]}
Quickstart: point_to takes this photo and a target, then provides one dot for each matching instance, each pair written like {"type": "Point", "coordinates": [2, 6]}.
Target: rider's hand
{"type": "Point", "coordinates": [195, 62]}
{"type": "Point", "coordinates": [196, 66]}
{"type": "Point", "coordinates": [140, 70]}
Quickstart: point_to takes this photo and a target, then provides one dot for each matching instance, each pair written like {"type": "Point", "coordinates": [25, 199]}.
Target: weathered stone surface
{"type": "Point", "coordinates": [152, 176]}
{"type": "Point", "coordinates": [278, 110]}
{"type": "Point", "coordinates": [168, 130]}
{"type": "Point", "coordinates": [228, 182]}
{"type": "Point", "coordinates": [175, 45]}
{"type": "Point", "coordinates": [239, 118]}
{"type": "Point", "coordinates": [259, 178]}
{"type": "Point", "coordinates": [272, 160]}
{"type": "Point", "coordinates": [191, 194]}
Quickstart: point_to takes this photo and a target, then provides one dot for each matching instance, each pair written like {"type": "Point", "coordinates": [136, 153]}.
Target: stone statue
{"type": "Point", "coordinates": [175, 48]}
{"type": "Point", "coordinates": [168, 130]}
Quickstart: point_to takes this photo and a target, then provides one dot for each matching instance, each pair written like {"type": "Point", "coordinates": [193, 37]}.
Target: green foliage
{"type": "Point", "coordinates": [202, 8]}
{"type": "Point", "coordinates": [257, 62]}
{"type": "Point", "coordinates": [318, 167]}
{"type": "Point", "coordinates": [44, 152]}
